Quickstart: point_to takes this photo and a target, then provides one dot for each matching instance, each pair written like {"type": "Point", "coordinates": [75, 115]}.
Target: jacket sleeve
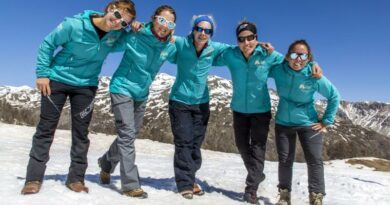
{"type": "Point", "coordinates": [220, 48]}
{"type": "Point", "coordinates": [276, 58]}
{"type": "Point", "coordinates": [58, 37]}
{"type": "Point", "coordinates": [172, 54]}
{"type": "Point", "coordinates": [329, 91]}
{"type": "Point", "coordinates": [172, 51]}
{"type": "Point", "coordinates": [120, 44]}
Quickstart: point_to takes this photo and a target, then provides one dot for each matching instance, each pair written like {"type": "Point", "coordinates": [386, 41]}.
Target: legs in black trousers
{"type": "Point", "coordinates": [311, 142]}
{"type": "Point", "coordinates": [251, 132]}
{"type": "Point", "coordinates": [81, 100]}
{"type": "Point", "coordinates": [189, 125]}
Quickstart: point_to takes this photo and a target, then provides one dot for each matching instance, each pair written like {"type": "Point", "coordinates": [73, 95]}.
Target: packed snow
{"type": "Point", "coordinates": [222, 176]}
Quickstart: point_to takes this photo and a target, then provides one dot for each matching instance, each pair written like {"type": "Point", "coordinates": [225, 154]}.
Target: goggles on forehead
{"type": "Point", "coordinates": [242, 39]}
{"type": "Point", "coordinates": [302, 56]}
{"type": "Point", "coordinates": [118, 15]}
{"type": "Point", "coordinates": [208, 31]}
{"type": "Point", "coordinates": [164, 22]}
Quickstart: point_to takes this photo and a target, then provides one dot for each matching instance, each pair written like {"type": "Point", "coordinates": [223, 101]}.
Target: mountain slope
{"type": "Point", "coordinates": [361, 129]}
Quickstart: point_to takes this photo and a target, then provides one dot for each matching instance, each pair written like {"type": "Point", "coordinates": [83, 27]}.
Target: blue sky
{"type": "Point", "coordinates": [349, 38]}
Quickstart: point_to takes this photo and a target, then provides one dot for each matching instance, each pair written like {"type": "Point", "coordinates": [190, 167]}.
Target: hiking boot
{"type": "Point", "coordinates": [316, 198]}
{"type": "Point", "coordinates": [197, 190]}
{"type": "Point", "coordinates": [251, 197]}
{"type": "Point", "coordinates": [77, 187]}
{"type": "Point", "coordinates": [137, 193]}
{"type": "Point", "coordinates": [187, 194]}
{"type": "Point", "coordinates": [31, 187]}
{"type": "Point", "coordinates": [284, 197]}
{"type": "Point", "coordinates": [104, 177]}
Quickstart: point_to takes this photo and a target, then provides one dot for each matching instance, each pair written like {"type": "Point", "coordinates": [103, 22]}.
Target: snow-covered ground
{"type": "Point", "coordinates": [222, 176]}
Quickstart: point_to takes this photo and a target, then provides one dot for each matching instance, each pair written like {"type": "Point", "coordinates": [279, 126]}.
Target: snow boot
{"type": "Point", "coordinates": [77, 187]}
{"type": "Point", "coordinates": [251, 197]}
{"type": "Point", "coordinates": [316, 198]}
{"type": "Point", "coordinates": [197, 190]}
{"type": "Point", "coordinates": [284, 197]}
{"type": "Point", "coordinates": [136, 193]}
{"type": "Point", "coordinates": [31, 187]}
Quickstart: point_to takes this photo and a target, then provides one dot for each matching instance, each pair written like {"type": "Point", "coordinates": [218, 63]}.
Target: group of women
{"type": "Point", "coordinates": [86, 40]}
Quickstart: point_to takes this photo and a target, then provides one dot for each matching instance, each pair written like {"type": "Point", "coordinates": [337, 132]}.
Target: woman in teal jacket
{"type": "Point", "coordinates": [85, 41]}
{"type": "Point", "coordinates": [249, 65]}
{"type": "Point", "coordinates": [189, 100]}
{"type": "Point", "coordinates": [296, 115]}
{"type": "Point", "coordinates": [145, 52]}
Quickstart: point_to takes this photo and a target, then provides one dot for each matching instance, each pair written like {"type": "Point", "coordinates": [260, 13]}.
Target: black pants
{"type": "Point", "coordinates": [81, 102]}
{"type": "Point", "coordinates": [311, 142]}
{"type": "Point", "coordinates": [251, 132]}
{"type": "Point", "coordinates": [189, 125]}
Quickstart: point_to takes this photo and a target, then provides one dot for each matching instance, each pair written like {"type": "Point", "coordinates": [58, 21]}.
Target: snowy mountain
{"type": "Point", "coordinates": [222, 176]}
{"type": "Point", "coordinates": [361, 129]}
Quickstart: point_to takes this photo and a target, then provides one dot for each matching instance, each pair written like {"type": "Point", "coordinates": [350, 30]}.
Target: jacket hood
{"type": "Point", "coordinates": [87, 13]}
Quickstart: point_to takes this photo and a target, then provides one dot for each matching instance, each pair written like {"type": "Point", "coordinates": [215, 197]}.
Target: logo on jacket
{"type": "Point", "coordinates": [111, 40]}
{"type": "Point", "coordinates": [163, 55]}
{"type": "Point", "coordinates": [259, 63]}
{"type": "Point", "coordinates": [306, 86]}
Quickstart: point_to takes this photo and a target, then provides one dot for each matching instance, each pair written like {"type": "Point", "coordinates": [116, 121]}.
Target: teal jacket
{"type": "Point", "coordinates": [250, 90]}
{"type": "Point", "coordinates": [190, 86]}
{"type": "Point", "coordinates": [296, 91]}
{"type": "Point", "coordinates": [143, 57]}
{"type": "Point", "coordinates": [80, 60]}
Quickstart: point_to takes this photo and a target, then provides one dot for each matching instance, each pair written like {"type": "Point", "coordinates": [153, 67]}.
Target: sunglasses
{"type": "Point", "coordinates": [207, 31]}
{"type": "Point", "coordinates": [302, 56]}
{"type": "Point", "coordinates": [118, 15]}
{"type": "Point", "coordinates": [242, 39]}
{"type": "Point", "coordinates": [164, 22]}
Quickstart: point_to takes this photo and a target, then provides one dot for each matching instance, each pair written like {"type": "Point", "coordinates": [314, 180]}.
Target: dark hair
{"type": "Point", "coordinates": [163, 8]}
{"type": "Point", "coordinates": [300, 42]}
{"type": "Point", "coordinates": [246, 26]}
{"type": "Point", "coordinates": [127, 5]}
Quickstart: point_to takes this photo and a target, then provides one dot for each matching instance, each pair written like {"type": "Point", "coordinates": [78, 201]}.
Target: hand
{"type": "Point", "coordinates": [173, 40]}
{"type": "Point", "coordinates": [43, 84]}
{"type": "Point", "coordinates": [172, 37]}
{"type": "Point", "coordinates": [267, 46]}
{"type": "Point", "coordinates": [136, 26]}
{"type": "Point", "coordinates": [319, 127]}
{"type": "Point", "coordinates": [317, 71]}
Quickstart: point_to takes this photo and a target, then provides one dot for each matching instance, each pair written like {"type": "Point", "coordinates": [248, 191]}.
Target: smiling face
{"type": "Point", "coordinates": [200, 35]}
{"type": "Point", "coordinates": [117, 19]}
{"type": "Point", "coordinates": [298, 52]}
{"type": "Point", "coordinates": [161, 23]}
{"type": "Point", "coordinates": [247, 42]}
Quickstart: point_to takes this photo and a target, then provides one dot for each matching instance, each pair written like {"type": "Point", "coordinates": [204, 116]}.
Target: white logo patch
{"type": "Point", "coordinates": [259, 63]}
{"type": "Point", "coordinates": [163, 54]}
{"type": "Point", "coordinates": [111, 40]}
{"type": "Point", "coordinates": [306, 86]}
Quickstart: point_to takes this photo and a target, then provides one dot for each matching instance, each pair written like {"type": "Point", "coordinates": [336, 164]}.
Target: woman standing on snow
{"type": "Point", "coordinates": [145, 52]}
{"type": "Point", "coordinates": [249, 65]}
{"type": "Point", "coordinates": [296, 115]}
{"type": "Point", "coordinates": [189, 101]}
{"type": "Point", "coordinates": [86, 39]}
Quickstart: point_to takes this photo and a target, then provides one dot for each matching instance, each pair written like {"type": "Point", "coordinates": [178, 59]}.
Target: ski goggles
{"type": "Point", "coordinates": [164, 22]}
{"type": "Point", "coordinates": [302, 56]}
{"type": "Point", "coordinates": [242, 39]}
{"type": "Point", "coordinates": [207, 31]}
{"type": "Point", "coordinates": [118, 15]}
